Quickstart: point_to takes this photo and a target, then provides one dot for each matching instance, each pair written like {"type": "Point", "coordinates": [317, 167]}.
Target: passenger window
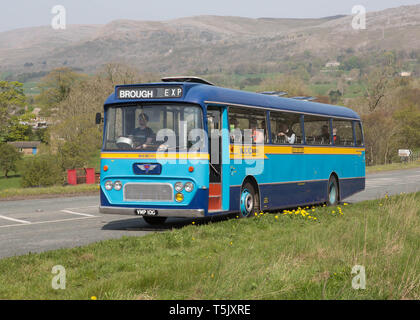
{"type": "Point", "coordinates": [317, 130]}
{"type": "Point", "coordinates": [359, 135]}
{"type": "Point", "coordinates": [285, 128]}
{"type": "Point", "coordinates": [343, 133]}
{"type": "Point", "coordinates": [247, 125]}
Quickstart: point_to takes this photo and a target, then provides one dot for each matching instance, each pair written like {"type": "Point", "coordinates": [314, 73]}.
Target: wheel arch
{"type": "Point", "coordinates": [253, 181]}
{"type": "Point", "coordinates": [335, 175]}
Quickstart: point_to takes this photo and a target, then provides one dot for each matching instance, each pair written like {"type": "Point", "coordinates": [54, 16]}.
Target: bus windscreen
{"type": "Point", "coordinates": [152, 127]}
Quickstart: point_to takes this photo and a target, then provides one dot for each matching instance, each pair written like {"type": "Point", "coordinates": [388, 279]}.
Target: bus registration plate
{"type": "Point", "coordinates": [146, 212]}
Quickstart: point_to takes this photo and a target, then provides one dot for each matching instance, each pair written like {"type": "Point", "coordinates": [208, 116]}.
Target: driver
{"type": "Point", "coordinates": [143, 134]}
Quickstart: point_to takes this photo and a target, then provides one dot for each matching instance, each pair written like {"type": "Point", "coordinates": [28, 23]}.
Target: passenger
{"type": "Point", "coordinates": [325, 135]}
{"type": "Point", "coordinates": [234, 131]}
{"type": "Point", "coordinates": [257, 133]}
{"type": "Point", "coordinates": [287, 133]}
{"type": "Point", "coordinates": [143, 135]}
{"type": "Point", "coordinates": [334, 135]}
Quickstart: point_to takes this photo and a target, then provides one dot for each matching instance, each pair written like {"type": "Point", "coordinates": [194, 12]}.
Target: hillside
{"type": "Point", "coordinates": [204, 42]}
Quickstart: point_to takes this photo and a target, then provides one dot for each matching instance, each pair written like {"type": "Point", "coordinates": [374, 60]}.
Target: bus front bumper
{"type": "Point", "coordinates": [182, 213]}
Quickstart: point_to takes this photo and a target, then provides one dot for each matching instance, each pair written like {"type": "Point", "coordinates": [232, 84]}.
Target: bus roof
{"type": "Point", "coordinates": [207, 94]}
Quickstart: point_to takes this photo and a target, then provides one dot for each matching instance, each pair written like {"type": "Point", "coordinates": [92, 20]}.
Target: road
{"type": "Point", "coordinates": [47, 224]}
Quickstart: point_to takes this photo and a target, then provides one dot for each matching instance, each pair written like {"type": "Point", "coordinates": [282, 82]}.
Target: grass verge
{"type": "Point", "coordinates": [28, 193]}
{"type": "Point", "coordinates": [300, 254]}
{"type": "Point", "coordinates": [392, 166]}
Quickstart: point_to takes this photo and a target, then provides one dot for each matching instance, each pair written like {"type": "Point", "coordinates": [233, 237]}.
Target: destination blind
{"type": "Point", "coordinates": [149, 92]}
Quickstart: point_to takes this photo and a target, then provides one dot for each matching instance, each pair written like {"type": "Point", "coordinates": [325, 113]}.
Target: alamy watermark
{"type": "Point", "coordinates": [358, 281]}
{"type": "Point", "coordinates": [58, 22]}
{"type": "Point", "coordinates": [359, 17]}
{"type": "Point", "coordinates": [58, 281]}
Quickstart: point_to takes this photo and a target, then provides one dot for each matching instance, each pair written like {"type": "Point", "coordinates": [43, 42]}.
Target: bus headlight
{"type": "Point", "coordinates": [179, 186]}
{"type": "Point", "coordinates": [108, 185]}
{"type": "Point", "coordinates": [189, 186]}
{"type": "Point", "coordinates": [117, 185]}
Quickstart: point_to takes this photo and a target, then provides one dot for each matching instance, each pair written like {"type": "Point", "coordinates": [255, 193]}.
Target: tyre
{"type": "Point", "coordinates": [154, 220]}
{"type": "Point", "coordinates": [332, 191]}
{"type": "Point", "coordinates": [249, 201]}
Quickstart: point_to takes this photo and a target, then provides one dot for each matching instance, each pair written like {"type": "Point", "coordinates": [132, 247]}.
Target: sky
{"type": "Point", "coordinates": [28, 13]}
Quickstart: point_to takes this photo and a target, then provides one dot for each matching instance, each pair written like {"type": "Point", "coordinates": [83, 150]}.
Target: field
{"type": "Point", "coordinates": [307, 253]}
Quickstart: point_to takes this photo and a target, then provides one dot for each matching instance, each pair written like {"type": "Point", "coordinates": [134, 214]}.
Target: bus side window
{"type": "Point", "coordinates": [359, 135]}
{"type": "Point", "coordinates": [285, 128]}
{"type": "Point", "coordinates": [317, 130]}
{"type": "Point", "coordinates": [343, 133]}
{"type": "Point", "coordinates": [241, 121]}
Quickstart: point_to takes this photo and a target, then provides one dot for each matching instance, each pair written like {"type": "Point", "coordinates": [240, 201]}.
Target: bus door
{"type": "Point", "coordinates": [216, 143]}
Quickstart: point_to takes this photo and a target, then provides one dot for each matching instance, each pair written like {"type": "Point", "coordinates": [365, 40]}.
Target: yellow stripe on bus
{"type": "Point", "coordinates": [195, 156]}
{"type": "Point", "coordinates": [261, 152]}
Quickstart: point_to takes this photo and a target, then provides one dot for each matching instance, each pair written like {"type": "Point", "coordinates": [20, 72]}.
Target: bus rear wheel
{"type": "Point", "coordinates": [332, 195]}
{"type": "Point", "coordinates": [249, 203]}
{"type": "Point", "coordinates": [154, 220]}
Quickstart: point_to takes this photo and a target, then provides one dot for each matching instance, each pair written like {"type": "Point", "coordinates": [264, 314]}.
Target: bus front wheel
{"type": "Point", "coordinates": [332, 195]}
{"type": "Point", "coordinates": [249, 201]}
{"type": "Point", "coordinates": [154, 220]}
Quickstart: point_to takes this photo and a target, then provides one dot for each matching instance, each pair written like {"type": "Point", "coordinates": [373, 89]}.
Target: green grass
{"type": "Point", "coordinates": [20, 193]}
{"type": "Point", "coordinates": [272, 256]}
{"type": "Point", "coordinates": [12, 182]}
{"type": "Point", "coordinates": [392, 166]}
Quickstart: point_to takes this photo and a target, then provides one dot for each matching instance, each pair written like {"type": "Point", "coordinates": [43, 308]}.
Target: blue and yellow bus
{"type": "Point", "coordinates": [186, 148]}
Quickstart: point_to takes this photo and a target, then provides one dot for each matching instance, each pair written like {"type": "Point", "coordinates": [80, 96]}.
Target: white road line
{"type": "Point", "coordinates": [78, 213]}
{"type": "Point", "coordinates": [15, 220]}
{"type": "Point", "coordinates": [97, 206]}
{"type": "Point", "coordinates": [49, 221]}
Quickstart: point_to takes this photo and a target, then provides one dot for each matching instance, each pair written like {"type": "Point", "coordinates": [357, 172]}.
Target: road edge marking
{"type": "Point", "coordinates": [15, 220]}
{"type": "Point", "coordinates": [78, 213]}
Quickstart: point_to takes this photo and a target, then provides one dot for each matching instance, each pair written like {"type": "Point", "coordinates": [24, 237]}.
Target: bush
{"type": "Point", "coordinates": [41, 171]}
{"type": "Point", "coordinates": [9, 157]}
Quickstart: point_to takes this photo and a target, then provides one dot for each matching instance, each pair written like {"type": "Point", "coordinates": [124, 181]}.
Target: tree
{"type": "Point", "coordinates": [335, 96]}
{"type": "Point", "coordinates": [12, 99]}
{"type": "Point", "coordinates": [18, 131]}
{"type": "Point", "coordinates": [55, 88]}
{"type": "Point", "coordinates": [9, 157]}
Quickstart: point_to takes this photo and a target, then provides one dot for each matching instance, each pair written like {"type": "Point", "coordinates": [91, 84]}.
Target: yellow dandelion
{"type": "Point", "coordinates": [315, 218]}
{"type": "Point", "coordinates": [231, 243]}
{"type": "Point", "coordinates": [93, 298]}
{"type": "Point", "coordinates": [333, 211]}
{"type": "Point", "coordinates": [193, 222]}
{"type": "Point", "coordinates": [276, 217]}
{"type": "Point", "coordinates": [345, 203]}
{"type": "Point", "coordinates": [212, 275]}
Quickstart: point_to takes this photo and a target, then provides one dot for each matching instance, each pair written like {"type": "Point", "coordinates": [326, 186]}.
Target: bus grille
{"type": "Point", "coordinates": [148, 192]}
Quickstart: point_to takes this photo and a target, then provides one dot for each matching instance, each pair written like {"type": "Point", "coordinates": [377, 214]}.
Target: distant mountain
{"type": "Point", "coordinates": [204, 42]}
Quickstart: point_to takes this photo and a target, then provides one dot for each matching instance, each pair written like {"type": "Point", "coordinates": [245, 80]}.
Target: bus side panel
{"type": "Point", "coordinates": [235, 194]}
{"type": "Point", "coordinates": [292, 194]}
